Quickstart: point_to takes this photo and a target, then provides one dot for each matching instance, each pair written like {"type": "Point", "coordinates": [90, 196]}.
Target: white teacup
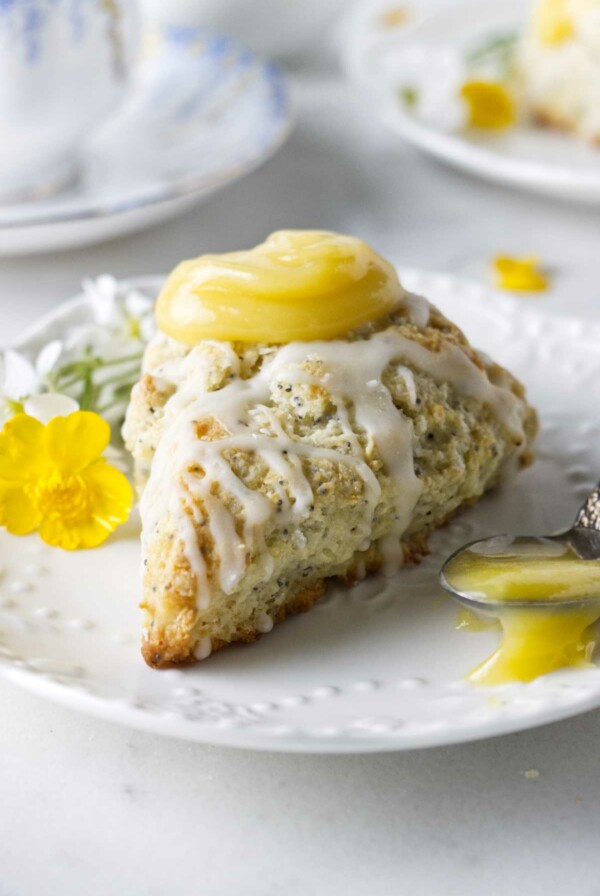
{"type": "Point", "coordinates": [283, 29]}
{"type": "Point", "coordinates": [64, 66]}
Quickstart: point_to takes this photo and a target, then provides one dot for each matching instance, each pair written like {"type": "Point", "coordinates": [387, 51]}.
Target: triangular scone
{"type": "Point", "coordinates": [265, 470]}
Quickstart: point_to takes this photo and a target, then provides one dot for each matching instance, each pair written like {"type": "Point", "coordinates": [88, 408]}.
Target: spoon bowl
{"type": "Point", "coordinates": [544, 590]}
{"type": "Point", "coordinates": [580, 543]}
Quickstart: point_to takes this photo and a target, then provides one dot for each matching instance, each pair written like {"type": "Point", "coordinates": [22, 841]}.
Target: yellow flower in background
{"type": "Point", "coordinates": [520, 274]}
{"type": "Point", "coordinates": [490, 105]}
{"type": "Point", "coordinates": [53, 478]}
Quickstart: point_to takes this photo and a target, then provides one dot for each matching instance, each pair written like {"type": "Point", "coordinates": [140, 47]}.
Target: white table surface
{"type": "Point", "coordinates": [88, 807]}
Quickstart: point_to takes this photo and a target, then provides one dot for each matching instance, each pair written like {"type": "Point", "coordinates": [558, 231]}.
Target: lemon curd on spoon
{"type": "Point", "coordinates": [297, 285]}
{"type": "Point", "coordinates": [545, 596]}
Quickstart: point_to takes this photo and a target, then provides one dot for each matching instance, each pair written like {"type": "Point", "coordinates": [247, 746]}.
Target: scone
{"type": "Point", "coordinates": [559, 65]}
{"type": "Point", "coordinates": [267, 467]}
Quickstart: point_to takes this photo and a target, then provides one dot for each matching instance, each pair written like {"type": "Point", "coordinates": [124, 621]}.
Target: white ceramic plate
{"type": "Point", "coordinates": [204, 112]}
{"type": "Point", "coordinates": [374, 667]}
{"type": "Point", "coordinates": [526, 156]}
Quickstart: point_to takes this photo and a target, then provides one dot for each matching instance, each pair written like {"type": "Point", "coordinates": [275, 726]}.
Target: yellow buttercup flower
{"type": "Point", "coordinates": [53, 478]}
{"type": "Point", "coordinates": [520, 274]}
{"type": "Point", "coordinates": [490, 104]}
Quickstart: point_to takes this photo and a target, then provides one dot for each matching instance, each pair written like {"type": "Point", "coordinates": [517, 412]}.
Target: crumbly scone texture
{"type": "Point", "coordinates": [460, 451]}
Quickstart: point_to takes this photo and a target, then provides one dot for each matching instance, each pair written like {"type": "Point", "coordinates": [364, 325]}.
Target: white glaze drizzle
{"type": "Point", "coordinates": [351, 373]}
{"type": "Point", "coordinates": [417, 308]}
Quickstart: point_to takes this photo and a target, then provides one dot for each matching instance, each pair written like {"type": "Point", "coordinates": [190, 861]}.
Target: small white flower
{"type": "Point", "coordinates": [102, 295]}
{"type": "Point", "coordinates": [47, 358]}
{"type": "Point", "coordinates": [20, 378]}
{"type": "Point", "coordinates": [127, 316]}
{"type": "Point", "coordinates": [52, 404]}
{"type": "Point", "coordinates": [429, 80]}
{"type": "Point", "coordinates": [139, 309]}
{"type": "Point", "coordinates": [96, 363]}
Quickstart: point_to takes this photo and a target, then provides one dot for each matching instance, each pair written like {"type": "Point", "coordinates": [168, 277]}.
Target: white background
{"type": "Point", "coordinates": [87, 807]}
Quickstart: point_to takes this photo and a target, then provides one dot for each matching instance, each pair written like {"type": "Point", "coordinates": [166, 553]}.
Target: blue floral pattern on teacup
{"type": "Point", "coordinates": [206, 111]}
{"type": "Point", "coordinates": [28, 20]}
{"type": "Point", "coordinates": [64, 67]}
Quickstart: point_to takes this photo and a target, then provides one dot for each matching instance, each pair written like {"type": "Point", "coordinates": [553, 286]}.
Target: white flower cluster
{"type": "Point", "coordinates": [428, 82]}
{"type": "Point", "coordinates": [94, 364]}
{"type": "Point", "coordinates": [428, 78]}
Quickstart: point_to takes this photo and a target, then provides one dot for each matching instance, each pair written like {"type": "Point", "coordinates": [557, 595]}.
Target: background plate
{"type": "Point", "coordinates": [374, 667]}
{"type": "Point", "coordinates": [526, 156]}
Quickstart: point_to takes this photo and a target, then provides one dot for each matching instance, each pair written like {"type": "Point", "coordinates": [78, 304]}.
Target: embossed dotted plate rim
{"type": "Point", "coordinates": [529, 157]}
{"type": "Point", "coordinates": [373, 668]}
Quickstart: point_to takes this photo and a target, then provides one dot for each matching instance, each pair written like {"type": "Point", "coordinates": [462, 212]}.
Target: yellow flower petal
{"type": "Point", "coordinates": [74, 442]}
{"type": "Point", "coordinates": [521, 274]}
{"type": "Point", "coordinates": [112, 495]}
{"type": "Point", "coordinates": [20, 449]}
{"type": "Point", "coordinates": [18, 512]}
{"type": "Point", "coordinates": [57, 534]}
{"type": "Point", "coordinates": [108, 499]}
{"type": "Point", "coordinates": [54, 478]}
{"type": "Point", "coordinates": [490, 104]}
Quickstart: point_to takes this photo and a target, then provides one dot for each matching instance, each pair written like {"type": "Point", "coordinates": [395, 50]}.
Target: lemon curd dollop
{"type": "Point", "coordinates": [535, 640]}
{"type": "Point", "coordinates": [297, 285]}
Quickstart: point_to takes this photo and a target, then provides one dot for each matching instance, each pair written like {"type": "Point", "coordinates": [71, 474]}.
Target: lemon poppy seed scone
{"type": "Point", "coordinates": [301, 417]}
{"type": "Point", "coordinates": [559, 65]}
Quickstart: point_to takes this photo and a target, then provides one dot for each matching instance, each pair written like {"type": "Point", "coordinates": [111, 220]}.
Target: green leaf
{"type": "Point", "coordinates": [409, 96]}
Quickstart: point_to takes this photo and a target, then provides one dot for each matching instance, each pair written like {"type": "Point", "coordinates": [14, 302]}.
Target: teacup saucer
{"type": "Point", "coordinates": [204, 112]}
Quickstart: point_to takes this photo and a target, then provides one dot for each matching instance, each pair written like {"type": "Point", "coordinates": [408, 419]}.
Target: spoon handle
{"type": "Point", "coordinates": [588, 516]}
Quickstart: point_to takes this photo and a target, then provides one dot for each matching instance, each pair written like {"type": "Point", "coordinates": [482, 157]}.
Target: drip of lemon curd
{"type": "Point", "coordinates": [536, 640]}
{"type": "Point", "coordinates": [469, 621]}
{"type": "Point", "coordinates": [297, 285]}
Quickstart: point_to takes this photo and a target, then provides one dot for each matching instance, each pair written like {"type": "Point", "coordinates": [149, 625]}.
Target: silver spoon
{"type": "Point", "coordinates": [583, 538]}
